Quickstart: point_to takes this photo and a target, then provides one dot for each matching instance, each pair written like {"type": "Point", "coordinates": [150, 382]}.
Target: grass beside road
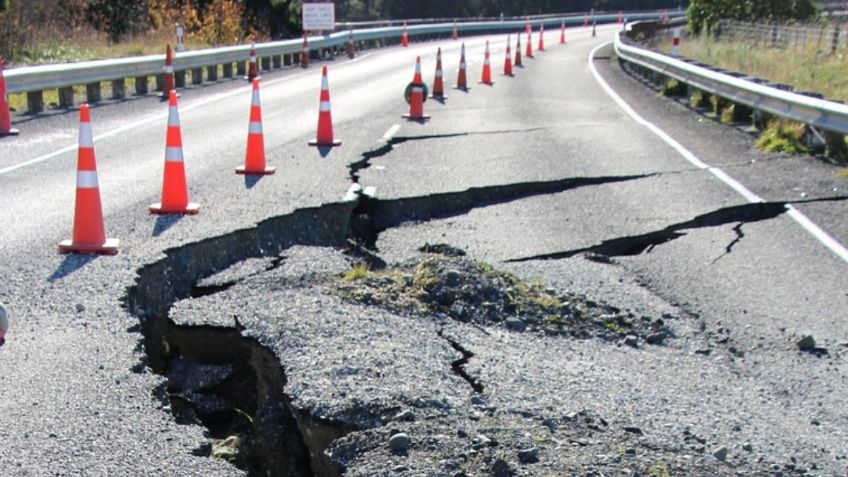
{"type": "Point", "coordinates": [805, 68]}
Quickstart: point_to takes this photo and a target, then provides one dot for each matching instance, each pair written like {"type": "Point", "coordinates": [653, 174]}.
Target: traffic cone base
{"type": "Point", "coordinates": [191, 208]}
{"type": "Point", "coordinates": [314, 142]}
{"type": "Point", "coordinates": [10, 132]}
{"type": "Point", "coordinates": [109, 247]}
{"type": "Point", "coordinates": [423, 117]}
{"type": "Point", "coordinates": [438, 97]}
{"type": "Point", "coordinates": [268, 171]}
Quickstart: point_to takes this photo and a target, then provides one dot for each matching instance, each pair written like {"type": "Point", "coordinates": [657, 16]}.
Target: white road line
{"type": "Point", "coordinates": [802, 220]}
{"type": "Point", "coordinates": [391, 132]}
{"type": "Point", "coordinates": [159, 117]}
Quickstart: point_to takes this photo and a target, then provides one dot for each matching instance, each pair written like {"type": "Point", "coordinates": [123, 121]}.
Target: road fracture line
{"type": "Point", "coordinates": [813, 229]}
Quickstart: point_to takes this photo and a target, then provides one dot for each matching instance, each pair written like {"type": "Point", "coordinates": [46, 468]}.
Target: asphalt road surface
{"type": "Point", "coordinates": [543, 174]}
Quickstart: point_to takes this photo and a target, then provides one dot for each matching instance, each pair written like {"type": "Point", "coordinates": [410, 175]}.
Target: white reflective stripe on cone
{"type": "Point", "coordinates": [86, 139]}
{"type": "Point", "coordinates": [255, 99]}
{"type": "Point", "coordinates": [173, 116]}
{"type": "Point", "coordinates": [255, 128]}
{"type": "Point", "coordinates": [87, 180]}
{"type": "Point", "coordinates": [169, 68]}
{"type": "Point", "coordinates": [462, 66]}
{"type": "Point", "coordinates": [173, 154]}
{"type": "Point", "coordinates": [417, 89]}
{"type": "Point", "coordinates": [325, 106]}
{"type": "Point", "coordinates": [439, 74]}
{"type": "Point", "coordinates": [325, 84]}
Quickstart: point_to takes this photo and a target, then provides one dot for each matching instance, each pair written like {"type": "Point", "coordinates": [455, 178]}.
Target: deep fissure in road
{"type": "Point", "coordinates": [234, 385]}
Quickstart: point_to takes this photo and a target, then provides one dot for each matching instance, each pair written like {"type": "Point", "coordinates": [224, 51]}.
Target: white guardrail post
{"type": "Point", "coordinates": [828, 116]}
{"type": "Point", "coordinates": [33, 80]}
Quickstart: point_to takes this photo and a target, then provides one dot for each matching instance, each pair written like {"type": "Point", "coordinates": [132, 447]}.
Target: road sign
{"type": "Point", "coordinates": [319, 16]}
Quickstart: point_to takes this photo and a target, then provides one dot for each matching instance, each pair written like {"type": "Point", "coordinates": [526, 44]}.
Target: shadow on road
{"type": "Point", "coordinates": [70, 264]}
{"type": "Point", "coordinates": [250, 180]}
{"type": "Point", "coordinates": [164, 222]}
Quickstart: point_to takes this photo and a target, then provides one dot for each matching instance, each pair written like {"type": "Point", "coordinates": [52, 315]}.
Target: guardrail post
{"type": "Point", "coordinates": [287, 60]}
{"type": "Point", "coordinates": [212, 73]}
{"type": "Point", "coordinates": [266, 63]}
{"type": "Point", "coordinates": [119, 88]}
{"type": "Point", "coordinates": [834, 43]}
{"type": "Point", "coordinates": [277, 61]}
{"type": "Point", "coordinates": [240, 69]}
{"type": "Point", "coordinates": [197, 76]}
{"type": "Point", "coordinates": [228, 70]}
{"type": "Point", "coordinates": [160, 82]}
{"type": "Point", "coordinates": [141, 85]}
{"type": "Point", "coordinates": [35, 102]}
{"type": "Point", "coordinates": [835, 146]}
{"type": "Point", "coordinates": [179, 79]}
{"type": "Point", "coordinates": [66, 97]}
{"type": "Point", "coordinates": [92, 92]}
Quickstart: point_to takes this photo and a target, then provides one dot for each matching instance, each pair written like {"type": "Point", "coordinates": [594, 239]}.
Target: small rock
{"type": "Point", "coordinates": [400, 468]}
{"type": "Point", "coordinates": [452, 277]}
{"type": "Point", "coordinates": [720, 453]}
{"type": "Point", "coordinates": [632, 341]}
{"type": "Point", "coordinates": [747, 447]}
{"type": "Point", "coordinates": [501, 469]}
{"type": "Point", "coordinates": [529, 456]}
{"type": "Point", "coordinates": [549, 423]}
{"type": "Point", "coordinates": [400, 442]}
{"type": "Point", "coordinates": [633, 430]}
{"type": "Point", "coordinates": [457, 311]}
{"type": "Point", "coordinates": [482, 441]}
{"type": "Point", "coordinates": [404, 416]}
{"type": "Point", "coordinates": [656, 338]}
{"type": "Point", "coordinates": [807, 343]}
{"type": "Point", "coordinates": [515, 324]}
{"type": "Point", "coordinates": [79, 307]}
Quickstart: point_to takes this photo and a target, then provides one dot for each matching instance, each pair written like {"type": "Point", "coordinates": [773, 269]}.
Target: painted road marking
{"type": "Point", "coordinates": [391, 132]}
{"type": "Point", "coordinates": [801, 219]}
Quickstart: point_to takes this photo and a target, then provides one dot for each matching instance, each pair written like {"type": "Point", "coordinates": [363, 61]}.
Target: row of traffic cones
{"type": "Point", "coordinates": [89, 234]}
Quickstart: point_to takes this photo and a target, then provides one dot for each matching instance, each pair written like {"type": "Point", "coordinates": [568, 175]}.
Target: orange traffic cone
{"type": "Point", "coordinates": [461, 79]}
{"type": "Point", "coordinates": [507, 70]}
{"type": "Point", "coordinates": [6, 128]}
{"type": "Point", "coordinates": [168, 84]}
{"type": "Point", "coordinates": [487, 68]}
{"type": "Point", "coordinates": [325, 119]}
{"type": "Point", "coordinates": [562, 34]}
{"type": "Point", "coordinates": [620, 17]}
{"type": "Point", "coordinates": [585, 21]}
{"type": "Point", "coordinates": [89, 235]}
{"type": "Point", "coordinates": [541, 37]}
{"type": "Point", "coordinates": [350, 47]}
{"type": "Point", "coordinates": [174, 189]}
{"type": "Point", "coordinates": [529, 52]}
{"type": "Point", "coordinates": [251, 65]}
{"type": "Point", "coordinates": [518, 50]}
{"type": "Point", "coordinates": [254, 159]}
{"type": "Point", "coordinates": [527, 27]}
{"type": "Point", "coordinates": [404, 39]}
{"type": "Point", "coordinates": [304, 53]}
{"type": "Point", "coordinates": [438, 81]}
{"type": "Point", "coordinates": [416, 95]}
{"type": "Point", "coordinates": [454, 33]}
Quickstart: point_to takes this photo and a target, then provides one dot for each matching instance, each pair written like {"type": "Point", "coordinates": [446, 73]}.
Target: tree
{"type": "Point", "coordinates": [704, 14]}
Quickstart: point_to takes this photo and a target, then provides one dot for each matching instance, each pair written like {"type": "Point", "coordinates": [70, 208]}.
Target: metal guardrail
{"type": "Point", "coordinates": [820, 113]}
{"type": "Point", "coordinates": [38, 78]}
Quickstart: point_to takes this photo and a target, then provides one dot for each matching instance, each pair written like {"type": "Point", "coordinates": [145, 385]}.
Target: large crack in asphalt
{"type": "Point", "coordinates": [248, 396]}
{"type": "Point", "coordinates": [389, 145]}
{"type": "Point", "coordinates": [644, 243]}
{"type": "Point", "coordinates": [458, 365]}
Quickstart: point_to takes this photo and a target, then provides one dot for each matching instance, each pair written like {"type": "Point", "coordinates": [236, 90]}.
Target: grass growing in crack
{"type": "Point", "coordinates": [843, 173]}
{"type": "Point", "coordinates": [357, 272]}
{"type": "Point", "coordinates": [783, 136]}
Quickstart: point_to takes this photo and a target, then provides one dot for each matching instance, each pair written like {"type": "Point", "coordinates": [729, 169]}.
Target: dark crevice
{"type": "Point", "coordinates": [458, 365]}
{"type": "Point", "coordinates": [392, 213]}
{"type": "Point", "coordinates": [389, 145]}
{"type": "Point", "coordinates": [729, 248]}
{"type": "Point", "coordinates": [644, 243]}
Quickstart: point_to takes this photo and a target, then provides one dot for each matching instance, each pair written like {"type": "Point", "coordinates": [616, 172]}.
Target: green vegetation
{"type": "Point", "coordinates": [660, 469]}
{"type": "Point", "coordinates": [357, 272]}
{"type": "Point", "coordinates": [673, 87]}
{"type": "Point", "coordinates": [704, 14]}
{"type": "Point", "coordinates": [783, 136]}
